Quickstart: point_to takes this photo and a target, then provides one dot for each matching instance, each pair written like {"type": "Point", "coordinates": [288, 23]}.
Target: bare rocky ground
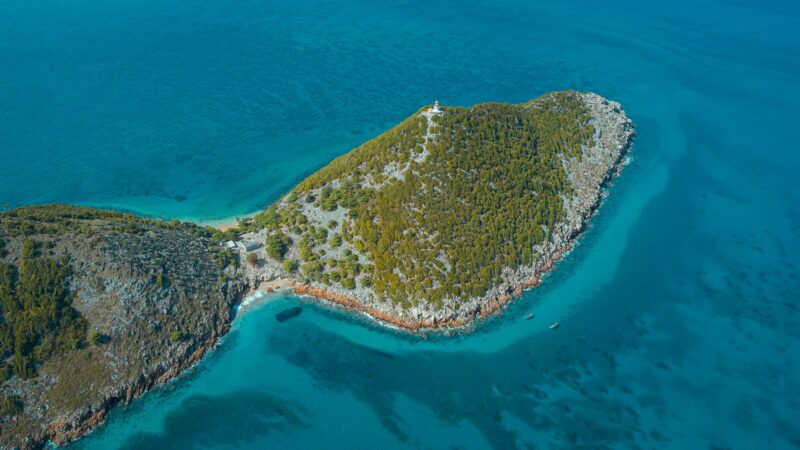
{"type": "Point", "coordinates": [597, 166]}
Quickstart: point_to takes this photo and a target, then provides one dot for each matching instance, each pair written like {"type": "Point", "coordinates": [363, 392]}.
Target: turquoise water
{"type": "Point", "coordinates": [680, 309]}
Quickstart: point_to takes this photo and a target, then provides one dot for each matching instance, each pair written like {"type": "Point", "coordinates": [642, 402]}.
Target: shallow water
{"type": "Point", "coordinates": [680, 322]}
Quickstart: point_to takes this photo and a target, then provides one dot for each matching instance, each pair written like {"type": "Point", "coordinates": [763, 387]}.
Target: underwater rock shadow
{"type": "Point", "coordinates": [217, 420]}
{"type": "Point", "coordinates": [477, 388]}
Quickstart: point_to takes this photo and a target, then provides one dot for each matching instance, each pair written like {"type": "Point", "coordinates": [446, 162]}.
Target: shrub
{"type": "Point", "coordinates": [23, 367]}
{"type": "Point", "coordinates": [277, 245]}
{"type": "Point", "coordinates": [178, 336]}
{"type": "Point", "coordinates": [96, 338]}
{"type": "Point", "coordinates": [160, 280]}
{"type": "Point", "coordinates": [348, 283]}
{"type": "Point", "coordinates": [289, 265]}
{"type": "Point", "coordinates": [223, 256]}
{"type": "Point", "coordinates": [252, 259]}
{"type": "Point", "coordinates": [28, 249]}
{"type": "Point", "coordinates": [10, 406]}
{"type": "Point", "coordinates": [227, 235]}
{"type": "Point", "coordinates": [312, 270]}
{"type": "Point", "coordinates": [320, 235]}
{"type": "Point", "coordinates": [5, 373]}
{"type": "Point", "coordinates": [306, 253]}
{"type": "Point", "coordinates": [75, 343]}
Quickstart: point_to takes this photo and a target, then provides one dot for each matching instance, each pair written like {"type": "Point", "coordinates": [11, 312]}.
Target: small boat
{"type": "Point", "coordinates": [529, 317]}
{"type": "Point", "coordinates": [554, 326]}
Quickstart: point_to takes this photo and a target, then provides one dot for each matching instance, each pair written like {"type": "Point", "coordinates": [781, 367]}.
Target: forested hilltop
{"type": "Point", "coordinates": [97, 306]}
{"type": "Point", "coordinates": [447, 214]}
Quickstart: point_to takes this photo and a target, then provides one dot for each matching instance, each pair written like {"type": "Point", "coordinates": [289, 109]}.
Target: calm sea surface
{"type": "Point", "coordinates": [680, 310]}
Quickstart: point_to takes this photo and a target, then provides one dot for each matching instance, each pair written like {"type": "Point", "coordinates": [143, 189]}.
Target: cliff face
{"type": "Point", "coordinates": [448, 216]}
{"type": "Point", "coordinates": [152, 297]}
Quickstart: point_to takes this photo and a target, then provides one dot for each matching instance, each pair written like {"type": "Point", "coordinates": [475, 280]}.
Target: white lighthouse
{"type": "Point", "coordinates": [435, 109]}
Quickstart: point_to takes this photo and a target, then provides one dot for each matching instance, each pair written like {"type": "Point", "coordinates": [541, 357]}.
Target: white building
{"type": "Point", "coordinates": [248, 246]}
{"type": "Point", "coordinates": [435, 109]}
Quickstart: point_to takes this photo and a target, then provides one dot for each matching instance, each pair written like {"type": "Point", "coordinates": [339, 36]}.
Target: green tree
{"type": "Point", "coordinates": [10, 406]}
{"type": "Point", "coordinates": [178, 336]}
{"type": "Point", "coordinates": [96, 338]}
{"type": "Point", "coordinates": [28, 249]}
{"type": "Point", "coordinates": [160, 280]}
{"type": "Point", "coordinates": [277, 245]}
{"type": "Point", "coordinates": [289, 265]}
{"type": "Point", "coordinates": [348, 283]}
{"type": "Point", "coordinates": [5, 372]}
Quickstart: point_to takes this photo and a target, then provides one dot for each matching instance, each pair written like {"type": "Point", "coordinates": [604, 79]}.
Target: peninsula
{"type": "Point", "coordinates": [439, 221]}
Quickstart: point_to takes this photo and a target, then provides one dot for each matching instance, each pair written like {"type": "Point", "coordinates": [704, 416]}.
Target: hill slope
{"type": "Point", "coordinates": [96, 307]}
{"type": "Point", "coordinates": [446, 216]}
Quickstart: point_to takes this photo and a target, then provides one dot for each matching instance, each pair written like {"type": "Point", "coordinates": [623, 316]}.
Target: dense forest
{"type": "Point", "coordinates": [36, 316]}
{"type": "Point", "coordinates": [436, 210]}
{"type": "Point", "coordinates": [37, 320]}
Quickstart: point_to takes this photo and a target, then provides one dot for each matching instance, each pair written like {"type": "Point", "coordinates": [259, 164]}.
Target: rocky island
{"type": "Point", "coordinates": [447, 216]}
{"type": "Point", "coordinates": [439, 221]}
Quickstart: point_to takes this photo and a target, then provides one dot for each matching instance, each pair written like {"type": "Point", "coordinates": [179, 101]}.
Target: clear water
{"type": "Point", "coordinates": [680, 309]}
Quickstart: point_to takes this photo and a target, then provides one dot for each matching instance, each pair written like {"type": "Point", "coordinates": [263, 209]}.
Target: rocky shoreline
{"type": "Point", "coordinates": [63, 432]}
{"type": "Point", "coordinates": [83, 422]}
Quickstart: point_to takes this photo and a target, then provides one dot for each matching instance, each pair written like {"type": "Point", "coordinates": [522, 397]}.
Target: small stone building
{"type": "Point", "coordinates": [248, 246]}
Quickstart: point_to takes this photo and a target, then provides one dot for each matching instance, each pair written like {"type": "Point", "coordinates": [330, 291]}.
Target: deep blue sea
{"type": "Point", "coordinates": [679, 311]}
